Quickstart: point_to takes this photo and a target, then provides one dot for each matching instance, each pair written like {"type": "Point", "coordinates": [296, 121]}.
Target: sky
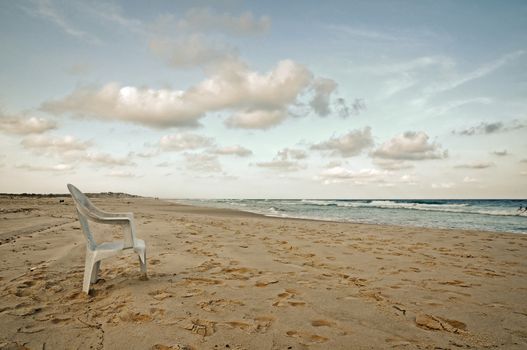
{"type": "Point", "coordinates": [236, 99]}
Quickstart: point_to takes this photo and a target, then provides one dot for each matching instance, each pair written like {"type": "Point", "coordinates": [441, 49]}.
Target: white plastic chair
{"type": "Point", "coordinates": [97, 252]}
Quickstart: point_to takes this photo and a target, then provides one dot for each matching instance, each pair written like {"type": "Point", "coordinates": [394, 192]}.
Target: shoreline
{"type": "Point", "coordinates": [221, 278]}
{"type": "Point", "coordinates": [243, 212]}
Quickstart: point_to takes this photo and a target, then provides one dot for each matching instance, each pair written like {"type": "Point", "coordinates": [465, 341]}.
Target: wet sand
{"type": "Point", "coordinates": [223, 279]}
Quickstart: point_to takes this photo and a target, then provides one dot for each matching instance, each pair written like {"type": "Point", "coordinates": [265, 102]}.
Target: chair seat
{"type": "Point", "coordinates": [138, 244]}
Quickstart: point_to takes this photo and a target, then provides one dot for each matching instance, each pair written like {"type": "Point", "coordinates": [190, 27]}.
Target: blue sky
{"type": "Point", "coordinates": [342, 99]}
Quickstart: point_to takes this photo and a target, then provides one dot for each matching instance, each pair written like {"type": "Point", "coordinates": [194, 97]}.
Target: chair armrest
{"type": "Point", "coordinates": [105, 214]}
{"type": "Point", "coordinates": [126, 222]}
{"type": "Point", "coordinates": [118, 220]}
{"type": "Point", "coordinates": [112, 220]}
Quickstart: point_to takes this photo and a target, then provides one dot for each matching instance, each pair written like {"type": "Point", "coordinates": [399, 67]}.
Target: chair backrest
{"type": "Point", "coordinates": [84, 207]}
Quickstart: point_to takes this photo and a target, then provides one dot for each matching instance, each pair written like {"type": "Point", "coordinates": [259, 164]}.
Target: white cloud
{"type": "Point", "coordinates": [333, 164]}
{"type": "Point", "coordinates": [22, 125]}
{"type": "Point", "coordinates": [408, 179]}
{"type": "Point", "coordinates": [145, 154]}
{"type": "Point", "coordinates": [485, 128]}
{"type": "Point", "coordinates": [120, 173]}
{"type": "Point", "coordinates": [480, 72]}
{"type": "Point", "coordinates": [216, 177]}
{"type": "Point", "coordinates": [285, 160]}
{"type": "Point", "coordinates": [339, 174]}
{"type": "Point", "coordinates": [164, 164]}
{"type": "Point", "coordinates": [233, 150]}
{"type": "Point", "coordinates": [232, 87]}
{"type": "Point", "coordinates": [196, 42]}
{"type": "Point", "coordinates": [474, 165]}
{"type": "Point", "coordinates": [46, 9]}
{"type": "Point", "coordinates": [344, 111]}
{"type": "Point", "coordinates": [201, 162]}
{"type": "Point", "coordinates": [154, 108]}
{"type": "Point", "coordinates": [410, 146]}
{"type": "Point", "coordinates": [72, 150]}
{"type": "Point", "coordinates": [365, 33]}
{"type": "Point", "coordinates": [206, 20]}
{"type": "Point", "coordinates": [191, 51]}
{"type": "Point", "coordinates": [323, 88]}
{"type": "Point", "coordinates": [468, 179]}
{"type": "Point", "coordinates": [281, 165]}
{"type": "Point", "coordinates": [393, 86]}
{"type": "Point", "coordinates": [502, 153]}
{"type": "Point", "coordinates": [407, 67]}
{"type": "Point", "coordinates": [51, 168]}
{"type": "Point", "coordinates": [347, 145]}
{"type": "Point", "coordinates": [42, 144]}
{"type": "Point", "coordinates": [256, 119]}
{"type": "Point", "coordinates": [113, 13]}
{"type": "Point", "coordinates": [291, 153]}
{"type": "Point", "coordinates": [184, 141]}
{"type": "Point", "coordinates": [443, 185]}
{"type": "Point", "coordinates": [448, 106]}
{"type": "Point", "coordinates": [416, 74]}
{"type": "Point", "coordinates": [105, 159]}
{"type": "Point", "coordinates": [380, 178]}
{"type": "Point", "coordinates": [400, 76]}
{"type": "Point", "coordinates": [392, 164]}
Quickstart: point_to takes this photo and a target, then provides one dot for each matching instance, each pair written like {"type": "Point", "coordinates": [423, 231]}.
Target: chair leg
{"type": "Point", "coordinates": [95, 272]}
{"type": "Point", "coordinates": [142, 261]}
{"type": "Point", "coordinates": [88, 270]}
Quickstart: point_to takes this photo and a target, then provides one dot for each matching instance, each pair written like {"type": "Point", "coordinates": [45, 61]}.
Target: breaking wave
{"type": "Point", "coordinates": [463, 208]}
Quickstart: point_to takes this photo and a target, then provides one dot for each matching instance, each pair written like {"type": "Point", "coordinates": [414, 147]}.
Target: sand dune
{"type": "Point", "coordinates": [221, 279]}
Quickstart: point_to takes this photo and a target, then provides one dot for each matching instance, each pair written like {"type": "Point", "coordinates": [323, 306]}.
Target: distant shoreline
{"type": "Point", "coordinates": [494, 216]}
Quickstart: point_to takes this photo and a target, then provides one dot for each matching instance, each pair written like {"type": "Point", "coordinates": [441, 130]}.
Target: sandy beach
{"type": "Point", "coordinates": [222, 279]}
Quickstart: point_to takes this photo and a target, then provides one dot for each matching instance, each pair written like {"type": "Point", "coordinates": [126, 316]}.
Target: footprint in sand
{"type": "Point", "coordinates": [458, 283]}
{"type": "Point", "coordinates": [217, 305]}
{"type": "Point", "coordinates": [238, 324]}
{"type": "Point", "coordinates": [30, 329]}
{"type": "Point", "coordinates": [263, 323]}
{"type": "Point", "coordinates": [397, 341]}
{"type": "Point", "coordinates": [314, 338]}
{"type": "Point", "coordinates": [25, 311]}
{"type": "Point", "coordinates": [165, 347]}
{"type": "Point", "coordinates": [238, 273]}
{"type": "Point", "coordinates": [322, 323]}
{"type": "Point", "coordinates": [372, 294]}
{"type": "Point", "coordinates": [198, 326]}
{"type": "Point", "coordinates": [341, 330]}
{"type": "Point", "coordinates": [437, 323]}
{"type": "Point", "coordinates": [135, 317]}
{"type": "Point", "coordinates": [206, 266]}
{"type": "Point", "coordinates": [265, 282]}
{"type": "Point", "coordinates": [297, 303]}
{"type": "Point", "coordinates": [286, 298]}
{"type": "Point", "coordinates": [200, 281]}
{"type": "Point", "coordinates": [160, 295]}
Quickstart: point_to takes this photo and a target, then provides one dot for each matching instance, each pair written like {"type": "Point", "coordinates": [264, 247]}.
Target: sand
{"type": "Point", "coordinates": [221, 279]}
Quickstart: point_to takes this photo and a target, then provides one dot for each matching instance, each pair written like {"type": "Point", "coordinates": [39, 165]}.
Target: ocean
{"type": "Point", "coordinates": [471, 214]}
